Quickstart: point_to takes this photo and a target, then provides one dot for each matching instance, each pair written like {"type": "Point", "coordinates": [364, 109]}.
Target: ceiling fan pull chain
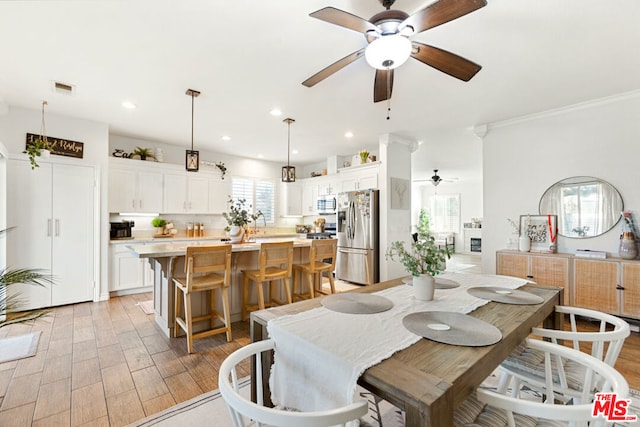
{"type": "Point", "coordinates": [388, 93]}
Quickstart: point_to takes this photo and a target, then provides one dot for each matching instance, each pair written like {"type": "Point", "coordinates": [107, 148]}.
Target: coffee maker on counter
{"type": "Point", "coordinates": [121, 230]}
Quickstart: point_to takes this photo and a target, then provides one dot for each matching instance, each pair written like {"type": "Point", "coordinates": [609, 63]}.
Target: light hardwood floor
{"type": "Point", "coordinates": [106, 364]}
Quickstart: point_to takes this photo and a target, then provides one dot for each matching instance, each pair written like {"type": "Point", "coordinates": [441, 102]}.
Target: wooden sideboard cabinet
{"type": "Point", "coordinates": [544, 269]}
{"type": "Point", "coordinates": [609, 285]}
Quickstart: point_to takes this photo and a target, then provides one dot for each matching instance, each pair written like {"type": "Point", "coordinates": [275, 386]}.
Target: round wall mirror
{"type": "Point", "coordinates": [586, 206]}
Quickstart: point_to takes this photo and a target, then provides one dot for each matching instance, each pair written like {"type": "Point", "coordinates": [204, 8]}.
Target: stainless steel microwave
{"type": "Point", "coordinates": [326, 205]}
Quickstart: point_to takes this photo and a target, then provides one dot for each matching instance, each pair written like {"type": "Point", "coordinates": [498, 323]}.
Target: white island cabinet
{"type": "Point", "coordinates": [52, 211]}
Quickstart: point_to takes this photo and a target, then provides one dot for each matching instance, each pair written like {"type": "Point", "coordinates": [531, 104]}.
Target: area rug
{"type": "Point", "coordinates": [14, 348]}
{"type": "Point", "coordinates": [212, 408]}
{"type": "Point", "coordinates": [146, 306]}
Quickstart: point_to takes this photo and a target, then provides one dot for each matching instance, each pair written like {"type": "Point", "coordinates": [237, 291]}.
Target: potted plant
{"type": "Point", "coordinates": [159, 224]}
{"type": "Point", "coordinates": [143, 153]}
{"type": "Point", "coordinates": [423, 260]}
{"type": "Point", "coordinates": [238, 217]}
{"type": "Point", "coordinates": [364, 156]}
{"type": "Point", "coordinates": [38, 148]}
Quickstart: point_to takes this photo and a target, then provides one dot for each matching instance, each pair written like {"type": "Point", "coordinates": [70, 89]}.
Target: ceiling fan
{"type": "Point", "coordinates": [436, 179]}
{"type": "Point", "coordinates": [387, 34]}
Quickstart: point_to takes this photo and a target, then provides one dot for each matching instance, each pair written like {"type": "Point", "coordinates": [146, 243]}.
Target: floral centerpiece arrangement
{"type": "Point", "coordinates": [423, 259]}
{"type": "Point", "coordinates": [238, 218]}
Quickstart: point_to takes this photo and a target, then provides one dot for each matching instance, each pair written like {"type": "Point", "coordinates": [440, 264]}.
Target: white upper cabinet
{"type": "Point", "coordinates": [186, 193]}
{"type": "Point", "coordinates": [135, 191]}
{"type": "Point", "coordinates": [309, 197]}
{"type": "Point", "coordinates": [328, 187]}
{"type": "Point", "coordinates": [291, 199]}
{"type": "Point", "coordinates": [359, 179]}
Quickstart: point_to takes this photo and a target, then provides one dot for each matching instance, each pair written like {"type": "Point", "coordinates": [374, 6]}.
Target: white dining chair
{"type": "Point", "coordinates": [527, 364]}
{"type": "Point", "coordinates": [241, 407]}
{"type": "Point", "coordinates": [493, 409]}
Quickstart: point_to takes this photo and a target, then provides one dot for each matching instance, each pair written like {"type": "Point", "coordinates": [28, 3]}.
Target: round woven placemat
{"type": "Point", "coordinates": [441, 283]}
{"type": "Point", "coordinates": [452, 328]}
{"type": "Point", "coordinates": [505, 295]}
{"type": "Point", "coordinates": [357, 303]}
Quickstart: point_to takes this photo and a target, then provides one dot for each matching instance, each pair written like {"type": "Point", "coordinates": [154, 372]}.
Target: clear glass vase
{"type": "Point", "coordinates": [628, 249]}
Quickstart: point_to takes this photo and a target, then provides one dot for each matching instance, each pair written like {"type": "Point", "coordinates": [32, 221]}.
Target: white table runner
{"type": "Point", "coordinates": [320, 354]}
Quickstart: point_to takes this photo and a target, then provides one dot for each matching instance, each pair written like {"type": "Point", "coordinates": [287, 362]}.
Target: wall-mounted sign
{"type": "Point", "coordinates": [61, 147]}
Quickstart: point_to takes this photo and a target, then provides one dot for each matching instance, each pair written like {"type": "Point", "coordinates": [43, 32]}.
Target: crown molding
{"type": "Point", "coordinates": [563, 110]}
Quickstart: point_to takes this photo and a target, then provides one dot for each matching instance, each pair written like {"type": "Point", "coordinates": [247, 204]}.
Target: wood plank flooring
{"type": "Point", "coordinates": [106, 364]}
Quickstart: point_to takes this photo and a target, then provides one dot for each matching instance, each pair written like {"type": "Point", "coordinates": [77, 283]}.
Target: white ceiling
{"type": "Point", "coordinates": [249, 56]}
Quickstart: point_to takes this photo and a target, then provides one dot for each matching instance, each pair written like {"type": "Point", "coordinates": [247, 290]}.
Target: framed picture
{"type": "Point", "coordinates": [193, 160]}
{"type": "Point", "coordinates": [542, 230]}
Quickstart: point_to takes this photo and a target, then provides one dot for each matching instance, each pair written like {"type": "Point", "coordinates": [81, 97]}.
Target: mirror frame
{"type": "Point", "coordinates": [560, 219]}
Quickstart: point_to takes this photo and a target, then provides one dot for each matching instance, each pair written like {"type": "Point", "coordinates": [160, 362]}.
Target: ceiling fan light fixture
{"type": "Point", "coordinates": [388, 52]}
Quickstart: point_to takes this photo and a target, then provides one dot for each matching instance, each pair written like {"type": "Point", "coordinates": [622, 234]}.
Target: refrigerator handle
{"type": "Point", "coordinates": [352, 220]}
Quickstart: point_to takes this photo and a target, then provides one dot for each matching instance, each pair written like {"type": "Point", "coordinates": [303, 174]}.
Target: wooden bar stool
{"type": "Point", "coordinates": [207, 268]}
{"type": "Point", "coordinates": [275, 263]}
{"type": "Point", "coordinates": [321, 251]}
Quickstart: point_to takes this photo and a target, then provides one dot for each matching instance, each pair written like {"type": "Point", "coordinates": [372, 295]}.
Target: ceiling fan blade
{"type": "Point", "coordinates": [383, 85]}
{"type": "Point", "coordinates": [440, 12]}
{"type": "Point", "coordinates": [447, 62]}
{"type": "Point", "coordinates": [343, 19]}
{"type": "Point", "coordinates": [336, 66]}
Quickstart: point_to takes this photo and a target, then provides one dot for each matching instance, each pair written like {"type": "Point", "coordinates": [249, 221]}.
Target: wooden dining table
{"type": "Point", "coordinates": [428, 380]}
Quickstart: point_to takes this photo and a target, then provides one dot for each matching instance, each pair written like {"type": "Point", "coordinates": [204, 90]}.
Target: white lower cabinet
{"type": "Point", "coordinates": [51, 210]}
{"type": "Point", "coordinates": [128, 272]}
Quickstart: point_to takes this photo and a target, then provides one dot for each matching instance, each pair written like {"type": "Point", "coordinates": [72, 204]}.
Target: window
{"type": "Point", "coordinates": [444, 213]}
{"type": "Point", "coordinates": [258, 193]}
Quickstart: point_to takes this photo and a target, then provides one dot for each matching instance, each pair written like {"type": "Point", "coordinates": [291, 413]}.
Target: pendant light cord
{"type": "Point", "coordinates": [288, 142]}
{"type": "Point", "coordinates": [192, 110]}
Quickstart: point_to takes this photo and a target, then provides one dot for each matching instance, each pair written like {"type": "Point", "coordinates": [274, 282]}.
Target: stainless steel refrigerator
{"type": "Point", "coordinates": [358, 237]}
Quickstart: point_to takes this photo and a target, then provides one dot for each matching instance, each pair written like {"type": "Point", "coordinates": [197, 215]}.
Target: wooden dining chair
{"type": "Point", "coordinates": [207, 268]}
{"type": "Point", "coordinates": [275, 262]}
{"type": "Point", "coordinates": [243, 411]}
{"type": "Point", "coordinates": [322, 259]}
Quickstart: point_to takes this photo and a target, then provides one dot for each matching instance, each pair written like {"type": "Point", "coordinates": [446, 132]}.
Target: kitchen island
{"type": "Point", "coordinates": [167, 259]}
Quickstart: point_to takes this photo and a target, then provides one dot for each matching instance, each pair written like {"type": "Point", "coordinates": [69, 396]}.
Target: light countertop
{"type": "Point", "coordinates": [174, 248]}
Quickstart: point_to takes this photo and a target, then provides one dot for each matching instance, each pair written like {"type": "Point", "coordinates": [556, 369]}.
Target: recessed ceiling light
{"type": "Point", "coordinates": [226, 138]}
{"type": "Point", "coordinates": [260, 156]}
{"type": "Point", "coordinates": [128, 105]}
{"type": "Point", "coordinates": [275, 112]}
{"type": "Point", "coordinates": [294, 151]}
{"type": "Point", "coordinates": [349, 134]}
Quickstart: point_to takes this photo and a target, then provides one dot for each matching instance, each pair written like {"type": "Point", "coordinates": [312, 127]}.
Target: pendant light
{"type": "Point", "coordinates": [288, 172]}
{"type": "Point", "coordinates": [192, 160]}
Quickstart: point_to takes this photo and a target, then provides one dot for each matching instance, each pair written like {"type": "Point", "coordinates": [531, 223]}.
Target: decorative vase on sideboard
{"type": "Point", "coordinates": [524, 243]}
{"type": "Point", "coordinates": [628, 248]}
{"type": "Point", "coordinates": [424, 287]}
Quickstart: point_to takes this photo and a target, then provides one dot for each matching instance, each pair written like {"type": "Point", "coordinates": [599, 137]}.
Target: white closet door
{"type": "Point", "coordinates": [73, 230]}
{"type": "Point", "coordinates": [29, 211]}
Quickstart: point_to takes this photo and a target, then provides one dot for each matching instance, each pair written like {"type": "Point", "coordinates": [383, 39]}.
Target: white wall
{"type": "Point", "coordinates": [3, 205]}
{"type": "Point", "coordinates": [95, 136]}
{"type": "Point", "coordinates": [395, 224]}
{"type": "Point", "coordinates": [522, 158]}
